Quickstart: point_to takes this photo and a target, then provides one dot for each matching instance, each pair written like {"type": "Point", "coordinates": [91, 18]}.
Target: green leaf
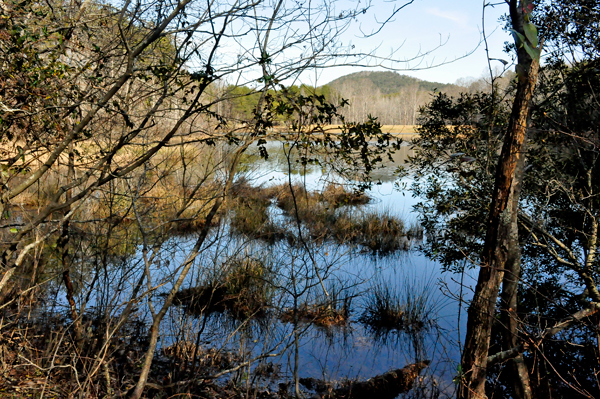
{"type": "Point", "coordinates": [531, 33]}
{"type": "Point", "coordinates": [14, 230]}
{"type": "Point", "coordinates": [533, 52]}
{"type": "Point", "coordinates": [519, 38]}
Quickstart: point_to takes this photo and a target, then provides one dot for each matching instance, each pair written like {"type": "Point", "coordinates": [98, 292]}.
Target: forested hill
{"type": "Point", "coordinates": [389, 82]}
{"type": "Point", "coordinates": [393, 98]}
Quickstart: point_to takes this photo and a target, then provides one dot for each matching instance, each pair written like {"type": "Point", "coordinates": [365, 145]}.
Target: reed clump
{"type": "Point", "coordinates": [206, 359]}
{"type": "Point", "coordinates": [321, 315]}
{"type": "Point", "coordinates": [379, 232]}
{"type": "Point", "coordinates": [241, 289]}
{"type": "Point", "coordinates": [330, 214]}
{"type": "Point", "coordinates": [333, 196]}
{"type": "Point", "coordinates": [334, 311]}
{"type": "Point", "coordinates": [387, 309]}
{"type": "Point", "coordinates": [250, 214]}
{"type": "Point", "coordinates": [338, 195]}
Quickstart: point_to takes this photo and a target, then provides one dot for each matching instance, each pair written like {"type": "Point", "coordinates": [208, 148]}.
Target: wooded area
{"type": "Point", "coordinates": [126, 131]}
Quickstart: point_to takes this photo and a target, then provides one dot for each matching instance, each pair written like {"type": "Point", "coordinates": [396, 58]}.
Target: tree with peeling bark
{"type": "Point", "coordinates": [532, 337]}
{"type": "Point", "coordinates": [497, 246]}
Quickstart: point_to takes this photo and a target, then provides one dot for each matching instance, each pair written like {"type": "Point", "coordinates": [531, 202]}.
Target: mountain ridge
{"type": "Point", "coordinates": [387, 82]}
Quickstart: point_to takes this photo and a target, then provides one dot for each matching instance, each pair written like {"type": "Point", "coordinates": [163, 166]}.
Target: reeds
{"type": "Point", "coordinates": [408, 306]}
{"type": "Point", "coordinates": [380, 232]}
{"type": "Point", "coordinates": [249, 214]}
{"type": "Point", "coordinates": [332, 196]}
{"type": "Point", "coordinates": [331, 214]}
{"type": "Point", "coordinates": [241, 289]}
{"type": "Point", "coordinates": [330, 311]}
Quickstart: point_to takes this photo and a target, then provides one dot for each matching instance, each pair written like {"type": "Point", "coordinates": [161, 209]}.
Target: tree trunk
{"type": "Point", "coordinates": [518, 373]}
{"type": "Point", "coordinates": [481, 313]}
{"type": "Point", "coordinates": [63, 246]}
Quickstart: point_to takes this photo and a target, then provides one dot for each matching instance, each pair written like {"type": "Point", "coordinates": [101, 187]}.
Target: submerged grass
{"type": "Point", "coordinates": [320, 315]}
{"type": "Point", "coordinates": [332, 311]}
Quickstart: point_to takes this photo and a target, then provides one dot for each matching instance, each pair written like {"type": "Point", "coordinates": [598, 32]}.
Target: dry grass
{"type": "Point", "coordinates": [330, 311]}
{"type": "Point", "coordinates": [173, 192]}
{"type": "Point", "coordinates": [250, 212]}
{"type": "Point", "coordinates": [333, 196]}
{"type": "Point", "coordinates": [392, 129]}
{"type": "Point", "coordinates": [319, 315]}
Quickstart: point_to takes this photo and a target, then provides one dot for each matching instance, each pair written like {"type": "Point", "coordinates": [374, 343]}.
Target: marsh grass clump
{"type": "Point", "coordinates": [321, 315]}
{"type": "Point", "coordinates": [241, 289]}
{"type": "Point", "coordinates": [314, 204]}
{"type": "Point", "coordinates": [296, 196]}
{"type": "Point", "coordinates": [209, 359]}
{"type": "Point", "coordinates": [383, 309]}
{"type": "Point", "coordinates": [334, 311]}
{"type": "Point", "coordinates": [387, 309]}
{"type": "Point", "coordinates": [338, 195]}
{"type": "Point", "coordinates": [379, 232]}
{"type": "Point", "coordinates": [332, 214]}
{"type": "Point", "coordinates": [250, 215]}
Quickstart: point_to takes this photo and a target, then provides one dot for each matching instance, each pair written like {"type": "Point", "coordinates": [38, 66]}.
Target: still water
{"type": "Point", "coordinates": [353, 350]}
{"type": "Point", "coordinates": [301, 274]}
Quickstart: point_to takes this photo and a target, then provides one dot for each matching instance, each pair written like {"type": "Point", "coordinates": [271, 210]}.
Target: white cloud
{"type": "Point", "coordinates": [454, 16]}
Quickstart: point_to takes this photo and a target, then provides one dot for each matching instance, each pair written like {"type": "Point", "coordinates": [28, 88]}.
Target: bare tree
{"type": "Point", "coordinates": [105, 113]}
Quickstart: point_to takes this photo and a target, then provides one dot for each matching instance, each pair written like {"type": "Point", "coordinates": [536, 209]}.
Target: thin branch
{"type": "Point", "coordinates": [547, 333]}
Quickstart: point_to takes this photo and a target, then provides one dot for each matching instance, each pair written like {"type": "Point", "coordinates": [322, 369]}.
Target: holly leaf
{"type": "Point", "coordinates": [519, 38]}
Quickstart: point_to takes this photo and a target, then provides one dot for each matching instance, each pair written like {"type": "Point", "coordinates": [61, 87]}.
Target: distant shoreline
{"type": "Point", "coordinates": [405, 131]}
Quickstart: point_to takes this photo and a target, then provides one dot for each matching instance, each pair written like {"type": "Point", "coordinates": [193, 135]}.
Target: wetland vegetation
{"type": "Point", "coordinates": [168, 232]}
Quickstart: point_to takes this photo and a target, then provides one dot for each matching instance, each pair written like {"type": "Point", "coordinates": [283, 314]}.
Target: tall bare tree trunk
{"type": "Point", "coordinates": [481, 313]}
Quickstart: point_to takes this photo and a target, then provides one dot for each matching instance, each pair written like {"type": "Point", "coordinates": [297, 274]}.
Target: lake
{"type": "Point", "coordinates": [296, 274]}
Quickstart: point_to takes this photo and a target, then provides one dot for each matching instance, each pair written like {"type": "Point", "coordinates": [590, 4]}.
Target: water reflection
{"type": "Point", "coordinates": [290, 275]}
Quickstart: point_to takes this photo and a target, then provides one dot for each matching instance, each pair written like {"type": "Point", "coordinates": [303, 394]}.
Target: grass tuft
{"type": "Point", "coordinates": [242, 289]}
{"type": "Point", "coordinates": [250, 215]}
{"type": "Point", "coordinates": [388, 309]}
{"type": "Point", "coordinates": [334, 311]}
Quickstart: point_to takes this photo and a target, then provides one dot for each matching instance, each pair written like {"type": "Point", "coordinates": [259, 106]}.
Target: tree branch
{"type": "Point", "coordinates": [547, 333]}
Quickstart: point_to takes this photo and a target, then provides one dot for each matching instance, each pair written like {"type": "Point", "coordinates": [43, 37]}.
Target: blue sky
{"type": "Point", "coordinates": [423, 25]}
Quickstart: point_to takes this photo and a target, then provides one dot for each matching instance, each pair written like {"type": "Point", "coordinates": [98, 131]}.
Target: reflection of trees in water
{"type": "Point", "coordinates": [277, 161]}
